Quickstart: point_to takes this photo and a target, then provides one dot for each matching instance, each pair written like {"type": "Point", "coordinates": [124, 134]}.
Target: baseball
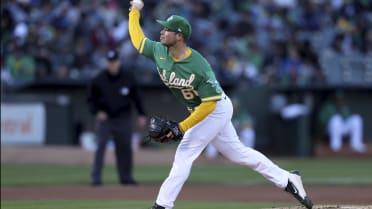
{"type": "Point", "coordinates": [138, 4]}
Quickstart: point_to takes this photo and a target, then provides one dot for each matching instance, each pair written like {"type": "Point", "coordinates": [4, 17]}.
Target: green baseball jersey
{"type": "Point", "coordinates": [191, 80]}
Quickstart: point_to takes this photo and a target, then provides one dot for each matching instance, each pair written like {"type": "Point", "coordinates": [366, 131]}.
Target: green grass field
{"type": "Point", "coordinates": [330, 171]}
{"type": "Point", "coordinates": [315, 171]}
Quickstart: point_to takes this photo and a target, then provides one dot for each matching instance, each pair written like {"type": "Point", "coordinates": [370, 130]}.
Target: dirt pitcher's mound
{"type": "Point", "coordinates": [331, 207]}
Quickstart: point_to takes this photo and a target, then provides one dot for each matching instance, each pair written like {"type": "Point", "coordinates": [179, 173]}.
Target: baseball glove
{"type": "Point", "coordinates": [162, 130]}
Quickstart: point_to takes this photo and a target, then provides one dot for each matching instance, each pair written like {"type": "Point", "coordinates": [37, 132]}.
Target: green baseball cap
{"type": "Point", "coordinates": [178, 24]}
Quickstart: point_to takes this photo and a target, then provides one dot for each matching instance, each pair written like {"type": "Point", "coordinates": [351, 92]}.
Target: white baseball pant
{"type": "Point", "coordinates": [247, 136]}
{"type": "Point", "coordinates": [217, 129]}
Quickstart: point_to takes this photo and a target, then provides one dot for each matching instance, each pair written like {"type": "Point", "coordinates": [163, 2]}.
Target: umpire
{"type": "Point", "coordinates": [111, 95]}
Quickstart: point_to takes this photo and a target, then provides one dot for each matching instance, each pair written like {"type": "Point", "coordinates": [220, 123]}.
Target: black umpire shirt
{"type": "Point", "coordinates": [114, 94]}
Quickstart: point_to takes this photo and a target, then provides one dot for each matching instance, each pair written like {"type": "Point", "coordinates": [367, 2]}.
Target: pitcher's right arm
{"type": "Point", "coordinates": [135, 31]}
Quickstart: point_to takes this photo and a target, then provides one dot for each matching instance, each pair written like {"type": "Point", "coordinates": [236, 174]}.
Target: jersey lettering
{"type": "Point", "coordinates": [176, 82]}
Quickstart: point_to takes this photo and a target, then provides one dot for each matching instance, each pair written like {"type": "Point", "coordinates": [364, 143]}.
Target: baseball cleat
{"type": "Point", "coordinates": [156, 206]}
{"type": "Point", "coordinates": [296, 188]}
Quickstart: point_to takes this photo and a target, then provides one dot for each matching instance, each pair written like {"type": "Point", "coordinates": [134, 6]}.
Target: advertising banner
{"type": "Point", "coordinates": [23, 123]}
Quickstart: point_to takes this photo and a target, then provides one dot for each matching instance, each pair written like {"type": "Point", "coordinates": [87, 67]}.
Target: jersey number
{"type": "Point", "coordinates": [189, 93]}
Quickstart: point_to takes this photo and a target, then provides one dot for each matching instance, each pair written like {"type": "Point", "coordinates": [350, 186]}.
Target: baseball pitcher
{"type": "Point", "coordinates": [191, 79]}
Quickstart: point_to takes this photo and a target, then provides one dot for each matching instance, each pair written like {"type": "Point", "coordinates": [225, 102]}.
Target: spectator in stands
{"type": "Point", "coordinates": [338, 121]}
{"type": "Point", "coordinates": [311, 65]}
{"type": "Point", "coordinates": [42, 62]}
{"type": "Point", "coordinates": [290, 66]}
{"type": "Point", "coordinates": [110, 97]}
{"type": "Point", "coordinates": [82, 58]}
{"type": "Point", "coordinates": [21, 64]}
{"type": "Point", "coordinates": [65, 25]}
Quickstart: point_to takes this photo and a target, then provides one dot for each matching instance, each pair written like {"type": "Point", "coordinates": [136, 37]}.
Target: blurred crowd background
{"type": "Point", "coordinates": [265, 42]}
{"type": "Point", "coordinates": [280, 60]}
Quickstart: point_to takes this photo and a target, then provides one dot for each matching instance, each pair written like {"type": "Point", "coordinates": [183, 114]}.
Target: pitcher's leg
{"type": "Point", "coordinates": [184, 158]}
{"type": "Point", "coordinates": [228, 143]}
{"type": "Point", "coordinates": [190, 147]}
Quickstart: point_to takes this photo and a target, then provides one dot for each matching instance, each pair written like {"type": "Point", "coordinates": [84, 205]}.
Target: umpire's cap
{"type": "Point", "coordinates": [178, 24]}
{"type": "Point", "coordinates": [112, 55]}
